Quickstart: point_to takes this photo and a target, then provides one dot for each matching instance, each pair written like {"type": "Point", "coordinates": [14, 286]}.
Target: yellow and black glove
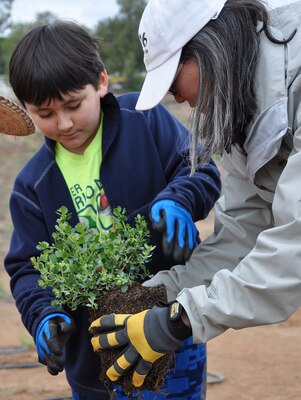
{"type": "Point", "coordinates": [146, 336]}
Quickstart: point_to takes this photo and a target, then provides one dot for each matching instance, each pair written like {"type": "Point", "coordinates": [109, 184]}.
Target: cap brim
{"type": "Point", "coordinates": [14, 120]}
{"type": "Point", "coordinates": [157, 83]}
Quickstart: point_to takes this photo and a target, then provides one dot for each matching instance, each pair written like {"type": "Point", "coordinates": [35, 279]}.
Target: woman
{"type": "Point", "coordinates": [238, 65]}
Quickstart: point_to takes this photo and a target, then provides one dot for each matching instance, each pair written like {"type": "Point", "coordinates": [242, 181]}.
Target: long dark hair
{"type": "Point", "coordinates": [226, 50]}
{"type": "Point", "coordinates": [54, 59]}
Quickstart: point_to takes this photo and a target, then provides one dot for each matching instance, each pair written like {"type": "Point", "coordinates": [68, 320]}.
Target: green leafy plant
{"type": "Point", "coordinates": [81, 265]}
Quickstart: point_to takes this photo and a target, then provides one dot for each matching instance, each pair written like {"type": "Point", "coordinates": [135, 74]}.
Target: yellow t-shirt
{"type": "Point", "coordinates": [81, 173]}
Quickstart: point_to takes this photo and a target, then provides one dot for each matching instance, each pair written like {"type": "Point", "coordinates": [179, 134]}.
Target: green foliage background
{"type": "Point", "coordinates": [119, 46]}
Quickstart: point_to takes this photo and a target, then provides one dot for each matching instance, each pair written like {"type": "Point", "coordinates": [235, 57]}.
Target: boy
{"type": "Point", "coordinates": [98, 153]}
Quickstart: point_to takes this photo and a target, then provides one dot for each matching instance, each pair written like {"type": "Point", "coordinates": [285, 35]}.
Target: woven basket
{"type": "Point", "coordinates": [14, 120]}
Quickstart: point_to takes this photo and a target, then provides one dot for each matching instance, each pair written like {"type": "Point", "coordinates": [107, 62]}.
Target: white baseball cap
{"type": "Point", "coordinates": [165, 27]}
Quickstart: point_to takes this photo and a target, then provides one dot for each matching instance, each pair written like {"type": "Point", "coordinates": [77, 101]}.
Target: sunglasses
{"type": "Point", "coordinates": [171, 90]}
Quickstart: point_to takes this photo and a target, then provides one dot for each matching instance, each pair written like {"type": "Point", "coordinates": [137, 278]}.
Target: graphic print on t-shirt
{"type": "Point", "coordinates": [92, 205]}
{"type": "Point", "coordinates": [81, 173]}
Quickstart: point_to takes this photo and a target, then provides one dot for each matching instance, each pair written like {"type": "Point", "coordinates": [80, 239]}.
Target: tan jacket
{"type": "Point", "coordinates": [249, 271]}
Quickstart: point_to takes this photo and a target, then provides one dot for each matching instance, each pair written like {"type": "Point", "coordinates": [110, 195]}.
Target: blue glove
{"type": "Point", "coordinates": [180, 233]}
{"type": "Point", "coordinates": [52, 334]}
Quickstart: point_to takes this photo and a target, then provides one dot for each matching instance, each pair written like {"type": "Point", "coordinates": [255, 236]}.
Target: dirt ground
{"type": "Point", "coordinates": [260, 363]}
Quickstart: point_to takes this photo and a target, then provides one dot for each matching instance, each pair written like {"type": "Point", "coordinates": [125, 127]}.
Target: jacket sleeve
{"type": "Point", "coordinates": [197, 193]}
{"type": "Point", "coordinates": [248, 273]}
{"type": "Point", "coordinates": [33, 302]}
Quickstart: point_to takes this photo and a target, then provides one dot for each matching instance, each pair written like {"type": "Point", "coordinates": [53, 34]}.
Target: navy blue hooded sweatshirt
{"type": "Point", "coordinates": [144, 160]}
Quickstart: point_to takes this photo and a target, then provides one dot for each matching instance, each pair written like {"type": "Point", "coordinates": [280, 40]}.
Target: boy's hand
{"type": "Point", "coordinates": [52, 334]}
{"type": "Point", "coordinates": [145, 336]}
{"type": "Point", "coordinates": [180, 233]}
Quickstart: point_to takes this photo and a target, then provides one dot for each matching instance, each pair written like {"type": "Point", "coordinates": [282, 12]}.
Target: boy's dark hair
{"type": "Point", "coordinates": [54, 59]}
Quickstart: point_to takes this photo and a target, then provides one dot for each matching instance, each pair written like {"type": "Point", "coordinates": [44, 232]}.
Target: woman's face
{"type": "Point", "coordinates": [186, 84]}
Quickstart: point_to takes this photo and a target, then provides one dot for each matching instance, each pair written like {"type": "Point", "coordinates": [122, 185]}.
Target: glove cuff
{"type": "Point", "coordinates": [175, 323]}
{"type": "Point", "coordinates": [39, 332]}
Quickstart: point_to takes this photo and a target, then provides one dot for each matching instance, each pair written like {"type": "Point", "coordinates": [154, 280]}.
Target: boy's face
{"type": "Point", "coordinates": [73, 121]}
